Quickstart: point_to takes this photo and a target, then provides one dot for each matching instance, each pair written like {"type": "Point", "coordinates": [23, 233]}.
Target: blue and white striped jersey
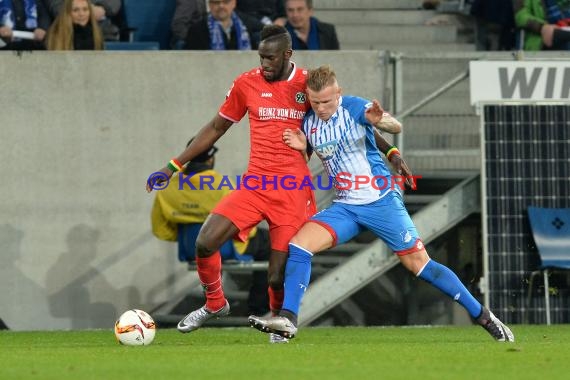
{"type": "Point", "coordinates": [345, 144]}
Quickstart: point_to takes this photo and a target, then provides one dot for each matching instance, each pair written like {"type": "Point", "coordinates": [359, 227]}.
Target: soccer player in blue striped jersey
{"type": "Point", "coordinates": [340, 130]}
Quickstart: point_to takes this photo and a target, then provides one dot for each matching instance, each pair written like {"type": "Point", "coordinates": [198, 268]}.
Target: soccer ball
{"type": "Point", "coordinates": [135, 328]}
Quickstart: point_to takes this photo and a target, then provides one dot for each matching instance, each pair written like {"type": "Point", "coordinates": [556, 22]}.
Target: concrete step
{"type": "Point", "coordinates": [418, 86]}
{"type": "Point", "coordinates": [366, 4]}
{"type": "Point", "coordinates": [441, 70]}
{"type": "Point", "coordinates": [346, 248]}
{"type": "Point", "coordinates": [423, 86]}
{"type": "Point", "coordinates": [409, 47]}
{"type": "Point", "coordinates": [418, 34]}
{"type": "Point", "coordinates": [445, 106]}
{"type": "Point", "coordinates": [441, 141]}
{"type": "Point", "coordinates": [437, 159]}
{"type": "Point", "coordinates": [426, 123]}
{"type": "Point", "coordinates": [374, 17]}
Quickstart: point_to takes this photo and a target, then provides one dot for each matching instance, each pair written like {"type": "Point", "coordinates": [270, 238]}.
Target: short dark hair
{"type": "Point", "coordinates": [308, 2]}
{"type": "Point", "coordinates": [275, 33]}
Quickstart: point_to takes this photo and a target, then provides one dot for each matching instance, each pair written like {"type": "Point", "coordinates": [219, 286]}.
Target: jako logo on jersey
{"type": "Point", "coordinates": [300, 97]}
{"type": "Point", "coordinates": [266, 94]}
{"type": "Point", "coordinates": [406, 236]}
{"type": "Point", "coordinates": [326, 151]}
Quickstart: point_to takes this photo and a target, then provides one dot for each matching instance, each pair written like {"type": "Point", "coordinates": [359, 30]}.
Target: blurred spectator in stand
{"type": "Point", "coordinates": [106, 12]}
{"type": "Point", "coordinates": [494, 24]}
{"type": "Point", "coordinates": [546, 23]}
{"type": "Point", "coordinates": [265, 11]}
{"type": "Point", "coordinates": [29, 16]}
{"type": "Point", "coordinates": [180, 209]}
{"type": "Point", "coordinates": [75, 28]}
{"type": "Point", "coordinates": [223, 28]}
{"type": "Point", "coordinates": [430, 4]}
{"type": "Point", "coordinates": [307, 32]}
{"type": "Point", "coordinates": [186, 13]}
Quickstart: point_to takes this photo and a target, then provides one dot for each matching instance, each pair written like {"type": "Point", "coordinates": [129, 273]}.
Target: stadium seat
{"type": "Point", "coordinates": [187, 235]}
{"type": "Point", "coordinates": [551, 232]}
{"type": "Point", "coordinates": [150, 20]}
{"type": "Point", "coordinates": [132, 45]}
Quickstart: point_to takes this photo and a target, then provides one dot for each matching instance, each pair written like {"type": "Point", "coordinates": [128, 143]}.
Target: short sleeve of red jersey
{"type": "Point", "coordinates": [235, 106]}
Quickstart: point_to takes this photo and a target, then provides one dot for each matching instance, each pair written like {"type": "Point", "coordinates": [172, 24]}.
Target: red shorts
{"type": "Point", "coordinates": [284, 210]}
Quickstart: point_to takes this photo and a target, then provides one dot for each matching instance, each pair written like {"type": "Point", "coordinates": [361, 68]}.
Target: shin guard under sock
{"type": "Point", "coordinates": [297, 277]}
{"type": "Point", "coordinates": [210, 273]}
{"type": "Point", "coordinates": [445, 280]}
{"type": "Point", "coordinates": [275, 300]}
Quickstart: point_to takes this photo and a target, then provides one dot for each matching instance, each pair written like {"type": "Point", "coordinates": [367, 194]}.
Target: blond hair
{"type": "Point", "coordinates": [60, 33]}
{"type": "Point", "coordinates": [321, 77]}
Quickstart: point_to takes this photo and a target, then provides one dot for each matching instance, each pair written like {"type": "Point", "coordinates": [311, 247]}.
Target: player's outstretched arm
{"type": "Point", "coordinates": [382, 120]}
{"type": "Point", "coordinates": [206, 137]}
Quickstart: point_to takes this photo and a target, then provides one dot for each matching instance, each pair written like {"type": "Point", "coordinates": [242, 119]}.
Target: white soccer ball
{"type": "Point", "coordinates": [135, 328]}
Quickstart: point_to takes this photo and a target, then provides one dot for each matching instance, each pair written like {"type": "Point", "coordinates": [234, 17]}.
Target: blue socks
{"type": "Point", "coordinates": [445, 280]}
{"type": "Point", "coordinates": [297, 277]}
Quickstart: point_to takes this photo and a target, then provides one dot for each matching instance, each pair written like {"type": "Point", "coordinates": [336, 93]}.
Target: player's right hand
{"type": "Point", "coordinates": [156, 179]}
{"type": "Point", "coordinates": [295, 139]}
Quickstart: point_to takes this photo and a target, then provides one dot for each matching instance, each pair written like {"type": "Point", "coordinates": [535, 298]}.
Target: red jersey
{"type": "Point", "coordinates": [272, 108]}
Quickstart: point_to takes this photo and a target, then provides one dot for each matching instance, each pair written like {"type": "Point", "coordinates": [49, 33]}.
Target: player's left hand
{"type": "Point", "coordinates": [295, 139]}
{"type": "Point", "coordinates": [158, 180]}
{"type": "Point", "coordinates": [374, 113]}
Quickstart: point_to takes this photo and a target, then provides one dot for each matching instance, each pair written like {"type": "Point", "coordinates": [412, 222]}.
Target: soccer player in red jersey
{"type": "Point", "coordinates": [273, 96]}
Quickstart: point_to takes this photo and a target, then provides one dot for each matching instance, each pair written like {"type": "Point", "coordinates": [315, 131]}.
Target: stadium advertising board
{"type": "Point", "coordinates": [504, 81]}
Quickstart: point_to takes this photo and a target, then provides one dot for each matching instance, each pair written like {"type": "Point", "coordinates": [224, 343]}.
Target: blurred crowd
{"type": "Point", "coordinates": [513, 24]}
{"type": "Point", "coordinates": [236, 24]}
{"type": "Point", "coordinates": [195, 24]}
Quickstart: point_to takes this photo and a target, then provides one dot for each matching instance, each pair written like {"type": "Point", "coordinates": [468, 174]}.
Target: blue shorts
{"type": "Point", "coordinates": [387, 218]}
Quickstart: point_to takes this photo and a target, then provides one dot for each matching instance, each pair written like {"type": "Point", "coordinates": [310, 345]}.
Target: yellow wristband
{"type": "Point", "coordinates": [391, 151]}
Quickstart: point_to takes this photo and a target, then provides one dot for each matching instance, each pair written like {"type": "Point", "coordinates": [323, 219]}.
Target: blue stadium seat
{"type": "Point", "coordinates": [150, 20]}
{"type": "Point", "coordinates": [187, 235]}
{"type": "Point", "coordinates": [132, 45]}
{"type": "Point", "coordinates": [551, 232]}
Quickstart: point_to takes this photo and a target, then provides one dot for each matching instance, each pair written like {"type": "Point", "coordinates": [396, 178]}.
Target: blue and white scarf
{"type": "Point", "coordinates": [217, 33]}
{"type": "Point", "coordinates": [8, 19]}
{"type": "Point", "coordinates": [557, 10]}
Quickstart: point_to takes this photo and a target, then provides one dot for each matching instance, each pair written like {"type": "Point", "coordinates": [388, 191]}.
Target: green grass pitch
{"type": "Point", "coordinates": [540, 352]}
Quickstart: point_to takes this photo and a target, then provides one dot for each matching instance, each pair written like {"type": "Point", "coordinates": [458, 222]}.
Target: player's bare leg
{"type": "Point", "coordinates": [275, 277]}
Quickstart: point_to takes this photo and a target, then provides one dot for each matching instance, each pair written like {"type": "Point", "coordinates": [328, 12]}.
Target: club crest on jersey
{"type": "Point", "coordinates": [300, 97]}
{"type": "Point", "coordinates": [406, 236]}
{"type": "Point", "coordinates": [326, 151]}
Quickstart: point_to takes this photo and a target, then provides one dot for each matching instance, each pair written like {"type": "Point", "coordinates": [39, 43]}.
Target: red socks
{"type": "Point", "coordinates": [276, 300]}
{"type": "Point", "coordinates": [210, 273]}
